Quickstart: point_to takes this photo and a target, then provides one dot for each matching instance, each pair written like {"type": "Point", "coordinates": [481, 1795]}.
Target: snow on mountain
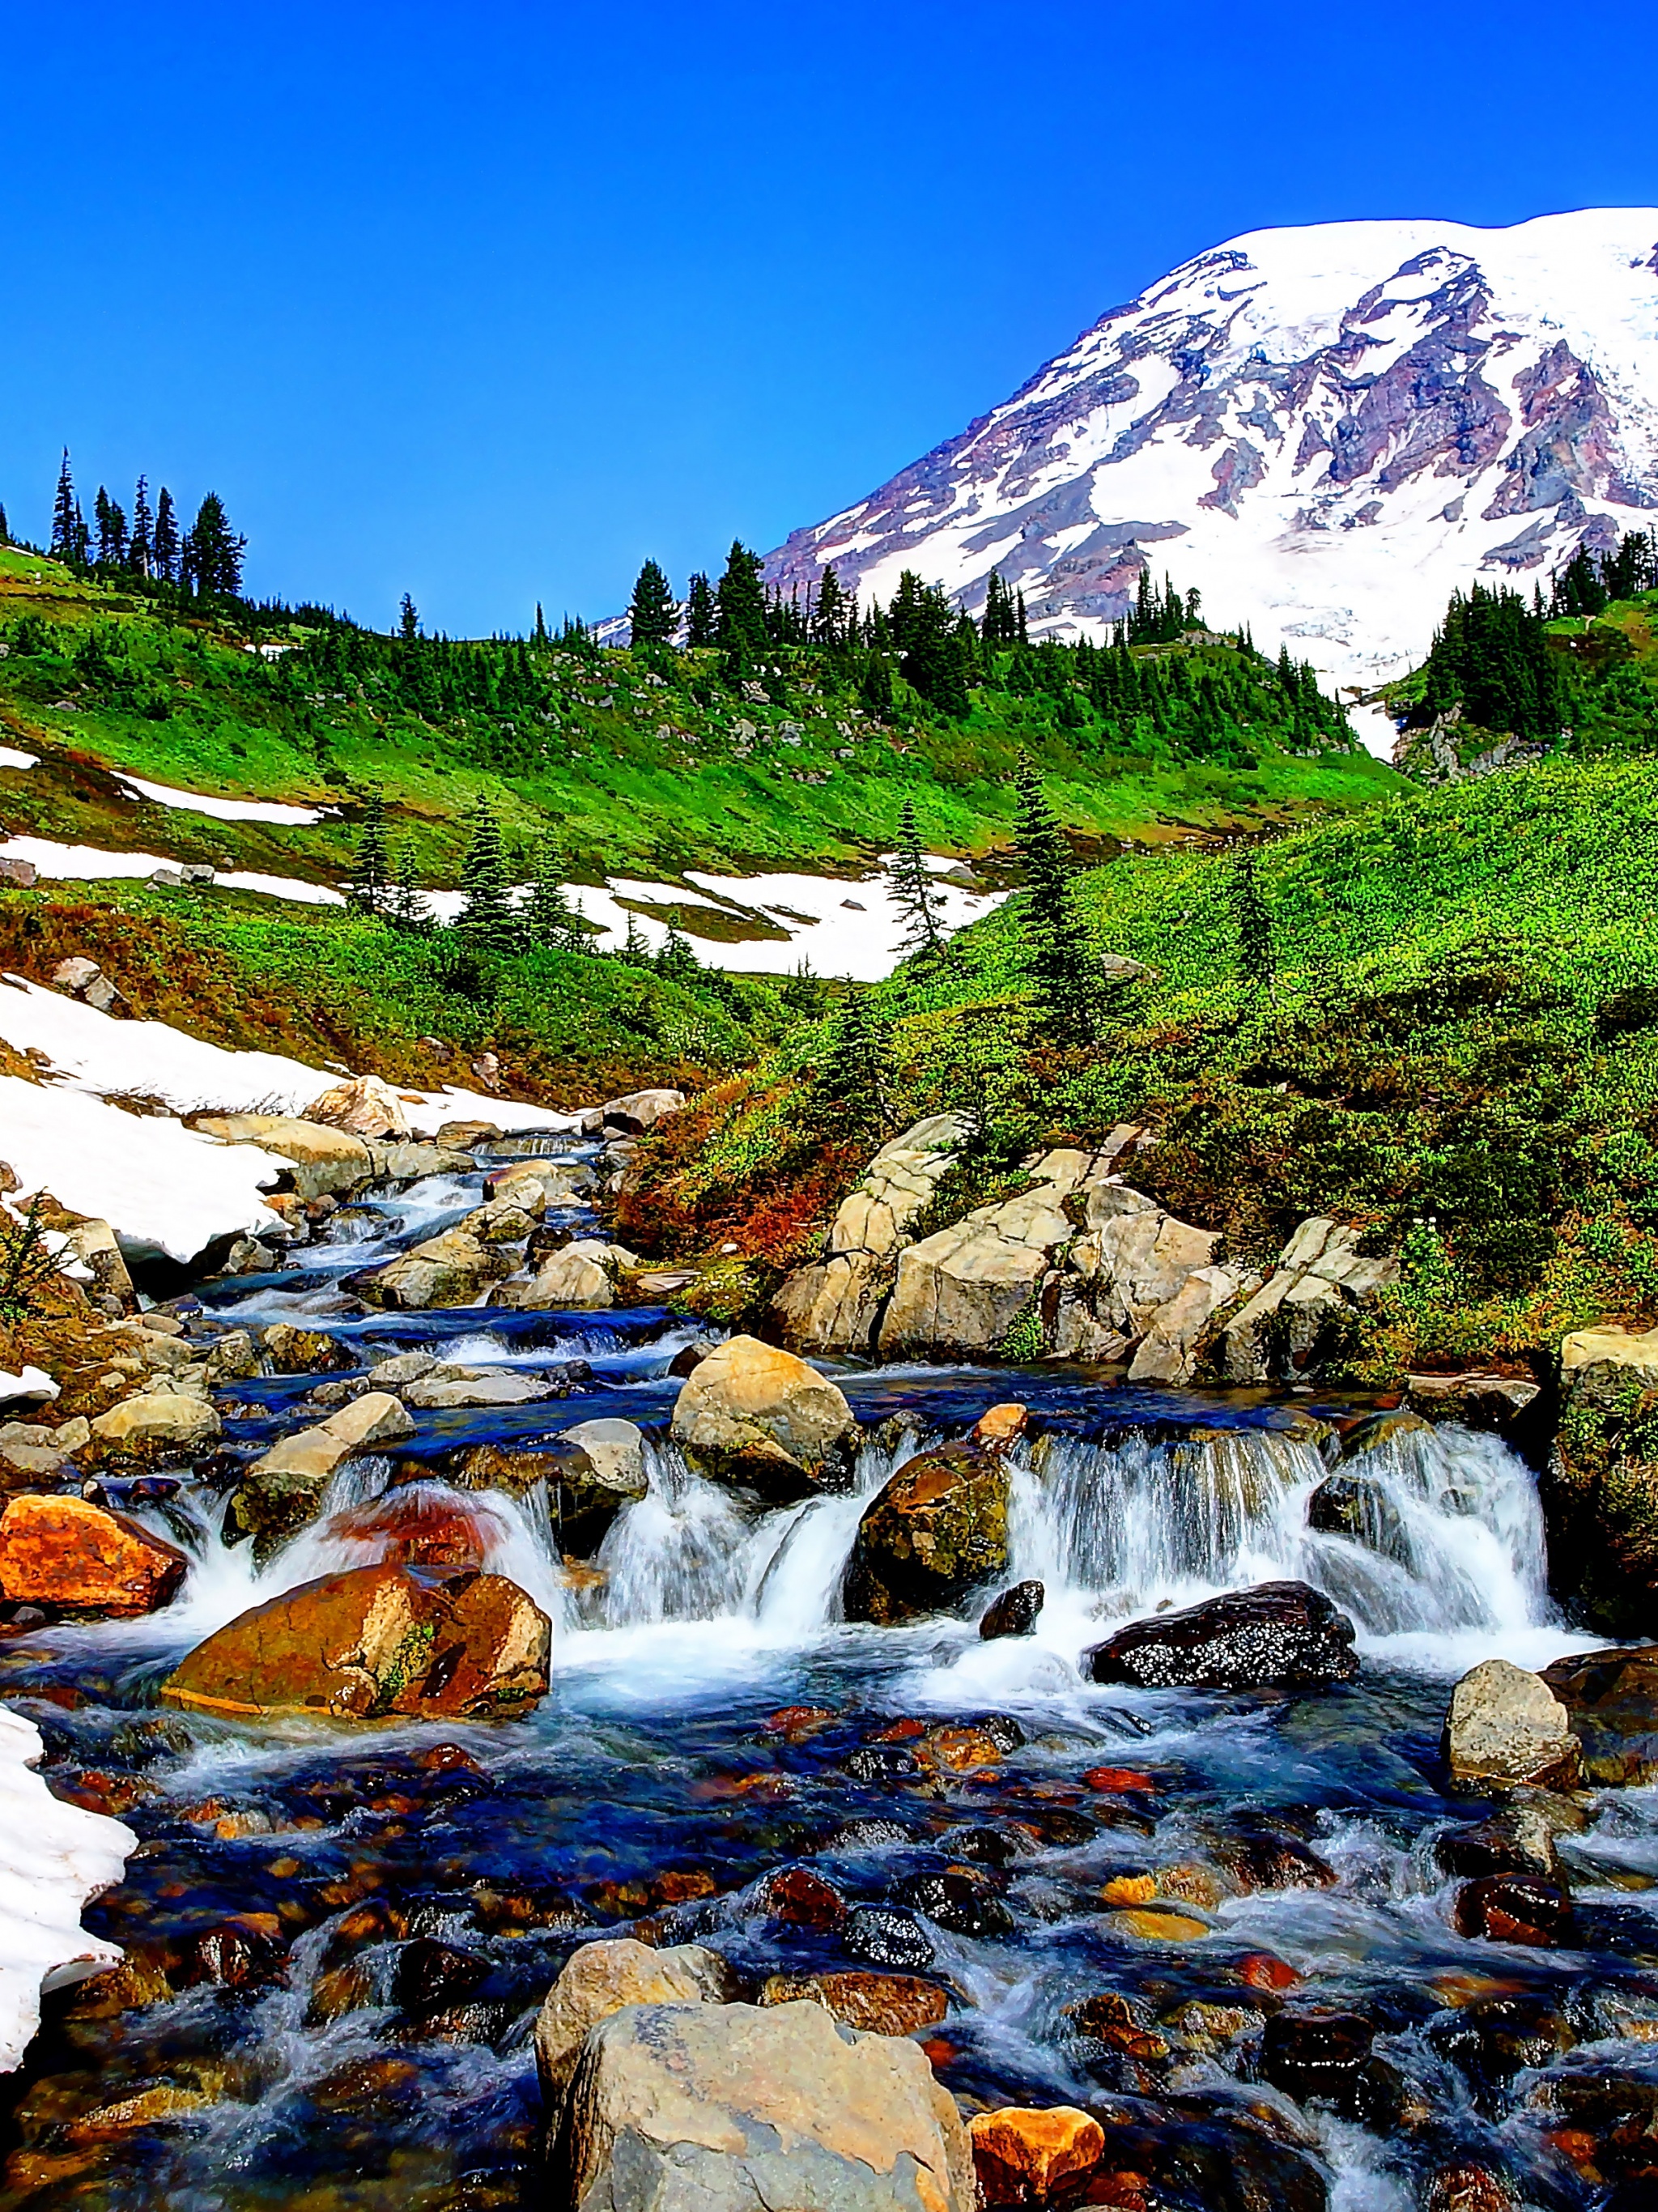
{"type": "Point", "coordinates": [1325, 430]}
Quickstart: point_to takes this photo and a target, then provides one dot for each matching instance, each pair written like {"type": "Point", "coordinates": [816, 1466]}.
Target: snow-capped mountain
{"type": "Point", "coordinates": [1325, 430]}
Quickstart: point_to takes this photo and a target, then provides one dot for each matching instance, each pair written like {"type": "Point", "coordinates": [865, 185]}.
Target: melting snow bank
{"type": "Point", "coordinates": [86, 863]}
{"type": "Point", "coordinates": [223, 810]}
{"type": "Point", "coordinates": [53, 1858]}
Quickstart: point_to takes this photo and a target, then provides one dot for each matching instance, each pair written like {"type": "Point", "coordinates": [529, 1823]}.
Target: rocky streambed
{"type": "Point", "coordinates": [571, 1760]}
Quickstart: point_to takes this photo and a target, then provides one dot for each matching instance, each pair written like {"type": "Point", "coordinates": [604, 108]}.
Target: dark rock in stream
{"type": "Point", "coordinates": [1519, 1840]}
{"type": "Point", "coordinates": [1015, 1612]}
{"type": "Point", "coordinates": [960, 1899]}
{"type": "Point", "coordinates": [802, 1899]}
{"type": "Point", "coordinates": [880, 2004]}
{"type": "Point", "coordinates": [1509, 1908]}
{"type": "Point", "coordinates": [882, 1936]}
{"type": "Point", "coordinates": [1611, 1699]}
{"type": "Point", "coordinates": [1354, 1507]}
{"type": "Point", "coordinates": [430, 1975]}
{"type": "Point", "coordinates": [1283, 1636]}
{"type": "Point", "coordinates": [1320, 2057]}
{"type": "Point", "coordinates": [1494, 2038]}
{"type": "Point", "coordinates": [936, 1532]}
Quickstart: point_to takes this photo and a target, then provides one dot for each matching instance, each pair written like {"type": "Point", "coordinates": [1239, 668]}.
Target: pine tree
{"type": "Point", "coordinates": [541, 625]}
{"type": "Point", "coordinates": [549, 918]}
{"type": "Point", "coordinates": [371, 872]}
{"type": "Point", "coordinates": [1060, 959]}
{"type": "Point", "coordinates": [740, 601]}
{"type": "Point", "coordinates": [634, 948]}
{"type": "Point", "coordinates": [803, 991]}
{"type": "Point", "coordinates": [408, 621]}
{"type": "Point", "coordinates": [212, 552]}
{"type": "Point", "coordinates": [164, 546]}
{"type": "Point", "coordinates": [405, 906]}
{"type": "Point", "coordinates": [486, 919]}
{"type": "Point", "coordinates": [1257, 966]}
{"type": "Point", "coordinates": [912, 891]}
{"type": "Point", "coordinates": [111, 524]}
{"type": "Point", "coordinates": [702, 614]}
{"type": "Point", "coordinates": [66, 524]}
{"type": "Point", "coordinates": [850, 1091]}
{"type": "Point", "coordinates": [830, 614]}
{"type": "Point", "coordinates": [5, 532]}
{"type": "Point", "coordinates": [678, 959]}
{"type": "Point", "coordinates": [653, 611]}
{"type": "Point", "coordinates": [140, 540]}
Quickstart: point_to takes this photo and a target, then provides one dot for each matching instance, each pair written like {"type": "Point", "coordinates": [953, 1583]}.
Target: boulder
{"type": "Point", "coordinates": [18, 875]}
{"type": "Point", "coordinates": [1600, 1491]}
{"type": "Point", "coordinates": [745, 2106]}
{"type": "Point", "coordinates": [1024, 2153]}
{"type": "Point", "coordinates": [284, 1490]}
{"type": "Point", "coordinates": [413, 1159]}
{"type": "Point", "coordinates": [1506, 1726]}
{"type": "Point", "coordinates": [1353, 1506]}
{"type": "Point", "coordinates": [1301, 1312]}
{"type": "Point", "coordinates": [87, 981]}
{"type": "Point", "coordinates": [94, 1243]}
{"type": "Point", "coordinates": [452, 1269]}
{"type": "Point", "coordinates": [76, 1557]}
{"type": "Point", "coordinates": [1472, 1401]}
{"type": "Point", "coordinates": [832, 1305]}
{"type": "Point", "coordinates": [1610, 1702]}
{"type": "Point", "coordinates": [1510, 1908]}
{"type": "Point", "coordinates": [1276, 1636]}
{"type": "Point", "coordinates": [881, 2004]}
{"type": "Point", "coordinates": [304, 1351]}
{"type": "Point", "coordinates": [365, 1106]}
{"type": "Point", "coordinates": [327, 1163]}
{"type": "Point", "coordinates": [157, 1423]}
{"type": "Point", "coordinates": [639, 1111]}
{"type": "Point", "coordinates": [1015, 1612]}
{"type": "Point", "coordinates": [499, 1386]}
{"type": "Point", "coordinates": [372, 1643]}
{"type": "Point", "coordinates": [599, 1979]}
{"type": "Point", "coordinates": [575, 1279]}
{"type": "Point", "coordinates": [752, 1414]}
{"type": "Point", "coordinates": [935, 1533]}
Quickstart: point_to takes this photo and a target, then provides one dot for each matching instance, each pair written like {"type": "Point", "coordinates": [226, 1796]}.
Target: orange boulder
{"type": "Point", "coordinates": [67, 1552]}
{"type": "Point", "coordinates": [1022, 2153]}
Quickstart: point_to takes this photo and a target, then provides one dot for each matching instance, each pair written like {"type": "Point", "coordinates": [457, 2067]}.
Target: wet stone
{"type": "Point", "coordinates": [1015, 1612]}
{"type": "Point", "coordinates": [1276, 1636]}
{"type": "Point", "coordinates": [1514, 1909]}
{"type": "Point", "coordinates": [883, 1935]}
{"type": "Point", "coordinates": [800, 1898]}
{"type": "Point", "coordinates": [881, 2004]}
{"type": "Point", "coordinates": [960, 1899]}
{"type": "Point", "coordinates": [1318, 2056]}
{"type": "Point", "coordinates": [430, 1975]}
{"type": "Point", "coordinates": [1518, 1841]}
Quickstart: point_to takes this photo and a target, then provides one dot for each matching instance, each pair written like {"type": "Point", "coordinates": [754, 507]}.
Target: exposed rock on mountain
{"type": "Point", "coordinates": [1325, 430]}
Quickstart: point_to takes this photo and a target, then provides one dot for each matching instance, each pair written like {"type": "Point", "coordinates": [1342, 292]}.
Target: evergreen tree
{"type": "Point", "coordinates": [740, 604]}
{"type": "Point", "coordinates": [702, 614]}
{"type": "Point", "coordinates": [1060, 960]}
{"type": "Point", "coordinates": [803, 991]}
{"type": "Point", "coordinates": [653, 611]}
{"type": "Point", "coordinates": [678, 959]}
{"type": "Point", "coordinates": [112, 527]}
{"type": "Point", "coordinates": [405, 907]}
{"type": "Point", "coordinates": [912, 891]}
{"type": "Point", "coordinates": [1257, 966]}
{"type": "Point", "coordinates": [67, 528]}
{"type": "Point", "coordinates": [164, 546]}
{"type": "Point", "coordinates": [541, 625]}
{"type": "Point", "coordinates": [141, 538]}
{"type": "Point", "coordinates": [634, 948]}
{"type": "Point", "coordinates": [549, 918]}
{"type": "Point", "coordinates": [371, 871]}
{"type": "Point", "coordinates": [850, 1092]}
{"type": "Point", "coordinates": [486, 920]}
{"type": "Point", "coordinates": [211, 557]}
{"type": "Point", "coordinates": [408, 621]}
{"type": "Point", "coordinates": [831, 614]}
{"type": "Point", "coordinates": [5, 533]}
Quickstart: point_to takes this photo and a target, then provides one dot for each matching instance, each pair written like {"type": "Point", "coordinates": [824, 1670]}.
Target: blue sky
{"type": "Point", "coordinates": [488, 302]}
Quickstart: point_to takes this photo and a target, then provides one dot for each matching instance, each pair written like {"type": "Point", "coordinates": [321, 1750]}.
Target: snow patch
{"type": "Point", "coordinates": [10, 758]}
{"type": "Point", "coordinates": [86, 863]}
{"type": "Point", "coordinates": [222, 810]}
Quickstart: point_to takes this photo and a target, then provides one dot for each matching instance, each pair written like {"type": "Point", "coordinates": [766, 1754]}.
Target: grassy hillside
{"type": "Point", "coordinates": [1461, 1051]}
{"type": "Point", "coordinates": [643, 763]}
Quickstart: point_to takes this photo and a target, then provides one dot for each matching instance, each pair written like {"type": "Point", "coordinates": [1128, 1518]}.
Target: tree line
{"type": "Point", "coordinates": [146, 544]}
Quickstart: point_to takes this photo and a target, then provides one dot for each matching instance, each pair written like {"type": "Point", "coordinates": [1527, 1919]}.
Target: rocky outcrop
{"type": "Point", "coordinates": [579, 1276]}
{"type": "Point", "coordinates": [1279, 1636]}
{"type": "Point", "coordinates": [744, 2105]}
{"type": "Point", "coordinates": [1304, 1309]}
{"type": "Point", "coordinates": [1506, 1727]}
{"type": "Point", "coordinates": [365, 1106]}
{"type": "Point", "coordinates": [937, 1532]}
{"type": "Point", "coordinates": [73, 1556]}
{"type": "Point", "coordinates": [284, 1490]}
{"type": "Point", "coordinates": [752, 1414]}
{"type": "Point", "coordinates": [372, 1643]}
{"type": "Point", "coordinates": [325, 1163]}
{"type": "Point", "coordinates": [834, 1306]}
{"type": "Point", "coordinates": [632, 1116]}
{"type": "Point", "coordinates": [1600, 1491]}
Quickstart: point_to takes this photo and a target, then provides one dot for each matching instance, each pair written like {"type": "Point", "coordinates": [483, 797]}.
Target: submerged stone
{"type": "Point", "coordinates": [881, 2004]}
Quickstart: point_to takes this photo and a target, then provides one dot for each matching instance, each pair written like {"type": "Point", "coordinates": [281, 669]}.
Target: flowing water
{"type": "Point", "coordinates": [341, 1936]}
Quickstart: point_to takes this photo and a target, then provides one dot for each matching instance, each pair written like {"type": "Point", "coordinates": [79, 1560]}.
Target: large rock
{"type": "Point", "coordinates": [1610, 1702]}
{"type": "Point", "coordinates": [374, 1642]}
{"type": "Point", "coordinates": [327, 1163]}
{"type": "Point", "coordinates": [752, 1414]}
{"type": "Point", "coordinates": [365, 1106]}
{"type": "Point", "coordinates": [76, 1557]}
{"type": "Point", "coordinates": [1276, 1636]}
{"type": "Point", "coordinates": [834, 1305]}
{"type": "Point", "coordinates": [731, 2107]}
{"type": "Point", "coordinates": [960, 1291]}
{"type": "Point", "coordinates": [284, 1490]}
{"type": "Point", "coordinates": [452, 1269]}
{"type": "Point", "coordinates": [577, 1278]}
{"type": "Point", "coordinates": [640, 1110]}
{"type": "Point", "coordinates": [1302, 1312]}
{"type": "Point", "coordinates": [599, 1979]}
{"type": "Point", "coordinates": [158, 1423]}
{"type": "Point", "coordinates": [1506, 1726]}
{"type": "Point", "coordinates": [937, 1531]}
{"type": "Point", "coordinates": [1600, 1492]}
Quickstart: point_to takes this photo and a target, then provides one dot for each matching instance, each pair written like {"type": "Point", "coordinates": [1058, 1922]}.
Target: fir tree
{"type": "Point", "coordinates": [371, 872]}
{"type": "Point", "coordinates": [140, 540]}
{"type": "Point", "coordinates": [5, 532]}
{"type": "Point", "coordinates": [912, 891]}
{"type": "Point", "coordinates": [635, 949]}
{"type": "Point", "coordinates": [1257, 967]}
{"type": "Point", "coordinates": [164, 545]}
{"type": "Point", "coordinates": [850, 1091]}
{"type": "Point", "coordinates": [1060, 959]}
{"type": "Point", "coordinates": [67, 528]}
{"type": "Point", "coordinates": [803, 991]}
{"type": "Point", "coordinates": [486, 920]}
{"type": "Point", "coordinates": [831, 614]}
{"type": "Point", "coordinates": [408, 621]}
{"type": "Point", "coordinates": [702, 614]}
{"type": "Point", "coordinates": [112, 527]}
{"type": "Point", "coordinates": [740, 603]}
{"type": "Point", "coordinates": [541, 625]}
{"type": "Point", "coordinates": [405, 906]}
{"type": "Point", "coordinates": [211, 557]}
{"type": "Point", "coordinates": [549, 918]}
{"type": "Point", "coordinates": [653, 611]}
{"type": "Point", "coordinates": [678, 959]}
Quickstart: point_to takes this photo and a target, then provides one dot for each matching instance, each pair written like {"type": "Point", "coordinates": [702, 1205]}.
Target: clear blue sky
{"type": "Point", "coordinates": [487, 302]}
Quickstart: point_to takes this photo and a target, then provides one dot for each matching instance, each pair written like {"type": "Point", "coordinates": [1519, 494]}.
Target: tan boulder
{"type": "Point", "coordinates": [365, 1106]}
{"type": "Point", "coordinates": [752, 1413]}
{"type": "Point", "coordinates": [577, 1276]}
{"type": "Point", "coordinates": [294, 1350]}
{"type": "Point", "coordinates": [451, 1269]}
{"type": "Point", "coordinates": [325, 1161]}
{"type": "Point", "coordinates": [743, 2104]}
{"type": "Point", "coordinates": [284, 1490]}
{"type": "Point", "coordinates": [1320, 1278]}
{"type": "Point", "coordinates": [373, 1643]}
{"type": "Point", "coordinates": [70, 1553]}
{"type": "Point", "coordinates": [599, 1979]}
{"type": "Point", "coordinates": [159, 1421]}
{"type": "Point", "coordinates": [640, 1110]}
{"type": "Point", "coordinates": [1507, 1726]}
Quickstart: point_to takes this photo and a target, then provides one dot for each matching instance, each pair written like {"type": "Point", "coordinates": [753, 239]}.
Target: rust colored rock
{"type": "Point", "coordinates": [1022, 2153]}
{"type": "Point", "coordinates": [373, 1642]}
{"type": "Point", "coordinates": [69, 1553]}
{"type": "Point", "coordinates": [1514, 1909]}
{"type": "Point", "coordinates": [801, 1898]}
{"type": "Point", "coordinates": [998, 1428]}
{"type": "Point", "coordinates": [880, 2004]}
{"type": "Point", "coordinates": [412, 1529]}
